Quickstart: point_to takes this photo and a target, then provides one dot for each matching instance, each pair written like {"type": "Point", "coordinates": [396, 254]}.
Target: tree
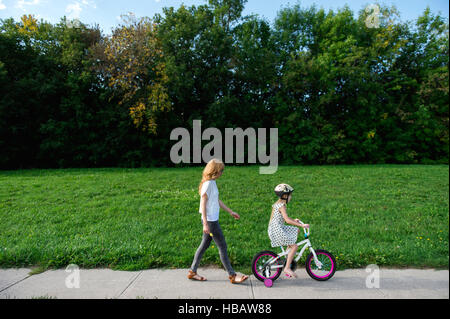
{"type": "Point", "coordinates": [197, 55]}
{"type": "Point", "coordinates": [28, 91]}
{"type": "Point", "coordinates": [335, 78]}
{"type": "Point", "coordinates": [340, 89]}
{"type": "Point", "coordinates": [227, 12]}
{"type": "Point", "coordinates": [131, 62]}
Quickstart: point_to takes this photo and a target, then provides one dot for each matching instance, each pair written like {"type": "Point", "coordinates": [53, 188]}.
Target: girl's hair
{"type": "Point", "coordinates": [271, 216]}
{"type": "Point", "coordinates": [211, 171]}
{"type": "Point", "coordinates": [273, 209]}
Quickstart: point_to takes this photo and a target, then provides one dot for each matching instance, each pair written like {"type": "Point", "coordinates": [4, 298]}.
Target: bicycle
{"type": "Point", "coordinates": [267, 265]}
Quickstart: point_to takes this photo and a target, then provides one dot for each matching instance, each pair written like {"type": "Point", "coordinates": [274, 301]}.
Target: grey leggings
{"type": "Point", "coordinates": [215, 229]}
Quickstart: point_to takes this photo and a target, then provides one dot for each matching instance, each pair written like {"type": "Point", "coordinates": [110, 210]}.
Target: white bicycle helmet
{"type": "Point", "coordinates": [283, 189]}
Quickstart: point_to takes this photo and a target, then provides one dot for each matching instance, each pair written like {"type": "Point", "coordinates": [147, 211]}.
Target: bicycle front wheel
{"type": "Point", "coordinates": [326, 269]}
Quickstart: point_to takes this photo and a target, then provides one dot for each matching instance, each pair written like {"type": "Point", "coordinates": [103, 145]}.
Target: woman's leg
{"type": "Point", "coordinates": [206, 241]}
{"type": "Point", "coordinates": [219, 239]}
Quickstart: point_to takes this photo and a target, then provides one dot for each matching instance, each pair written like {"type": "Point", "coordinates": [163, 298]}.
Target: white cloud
{"type": "Point", "coordinates": [22, 3]}
{"type": "Point", "coordinates": [2, 6]}
{"type": "Point", "coordinates": [88, 3]}
{"type": "Point", "coordinates": [74, 9]}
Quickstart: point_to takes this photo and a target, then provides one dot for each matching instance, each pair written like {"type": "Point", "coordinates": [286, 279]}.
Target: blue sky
{"type": "Point", "coordinates": [107, 12]}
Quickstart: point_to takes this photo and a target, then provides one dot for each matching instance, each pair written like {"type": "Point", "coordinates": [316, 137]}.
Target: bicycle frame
{"type": "Point", "coordinates": [306, 244]}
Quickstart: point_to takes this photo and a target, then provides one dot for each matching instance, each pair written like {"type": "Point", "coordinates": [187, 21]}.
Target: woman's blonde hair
{"type": "Point", "coordinates": [211, 171]}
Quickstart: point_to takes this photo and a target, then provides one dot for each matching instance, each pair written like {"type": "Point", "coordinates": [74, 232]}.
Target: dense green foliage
{"type": "Point", "coordinates": [338, 90]}
{"type": "Point", "coordinates": [389, 215]}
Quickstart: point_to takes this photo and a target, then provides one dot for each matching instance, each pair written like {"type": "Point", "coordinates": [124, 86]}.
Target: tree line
{"type": "Point", "coordinates": [339, 90]}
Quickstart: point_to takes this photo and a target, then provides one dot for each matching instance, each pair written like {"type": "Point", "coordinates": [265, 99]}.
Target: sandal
{"type": "Point", "coordinates": [240, 281]}
{"type": "Point", "coordinates": [193, 276]}
{"type": "Point", "coordinates": [290, 275]}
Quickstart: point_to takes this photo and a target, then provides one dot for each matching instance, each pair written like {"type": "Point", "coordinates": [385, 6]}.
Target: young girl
{"type": "Point", "coordinates": [281, 234]}
{"type": "Point", "coordinates": [209, 209]}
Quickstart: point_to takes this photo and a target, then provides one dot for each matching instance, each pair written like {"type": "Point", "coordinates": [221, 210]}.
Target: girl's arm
{"type": "Point", "coordinates": [225, 207]}
{"type": "Point", "coordinates": [289, 220]}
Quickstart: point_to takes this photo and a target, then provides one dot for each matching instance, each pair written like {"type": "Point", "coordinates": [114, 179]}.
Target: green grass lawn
{"type": "Point", "coordinates": [131, 219]}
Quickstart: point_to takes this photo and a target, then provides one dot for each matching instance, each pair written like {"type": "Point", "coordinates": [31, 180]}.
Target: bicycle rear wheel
{"type": "Point", "coordinates": [263, 270]}
{"type": "Point", "coordinates": [328, 265]}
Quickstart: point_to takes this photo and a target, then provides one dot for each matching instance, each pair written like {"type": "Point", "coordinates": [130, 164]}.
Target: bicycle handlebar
{"type": "Point", "coordinates": [304, 230]}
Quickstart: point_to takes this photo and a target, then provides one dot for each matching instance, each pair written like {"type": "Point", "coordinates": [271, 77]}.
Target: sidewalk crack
{"type": "Point", "coordinates": [251, 288]}
{"type": "Point", "coordinates": [15, 283]}
{"type": "Point", "coordinates": [131, 282]}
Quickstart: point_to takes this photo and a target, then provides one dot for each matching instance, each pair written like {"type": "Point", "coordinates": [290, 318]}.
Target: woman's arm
{"type": "Point", "coordinates": [289, 220]}
{"type": "Point", "coordinates": [226, 208]}
{"type": "Point", "coordinates": [203, 209]}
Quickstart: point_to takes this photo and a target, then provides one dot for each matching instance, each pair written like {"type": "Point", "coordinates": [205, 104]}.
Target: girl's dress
{"type": "Point", "coordinates": [279, 233]}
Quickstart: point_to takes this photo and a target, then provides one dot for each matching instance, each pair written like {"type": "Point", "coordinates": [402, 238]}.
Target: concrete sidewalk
{"type": "Point", "coordinates": [173, 284]}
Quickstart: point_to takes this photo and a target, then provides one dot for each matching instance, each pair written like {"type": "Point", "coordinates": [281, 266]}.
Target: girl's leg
{"type": "Point", "coordinates": [219, 239]}
{"type": "Point", "coordinates": [206, 241]}
{"type": "Point", "coordinates": [290, 258]}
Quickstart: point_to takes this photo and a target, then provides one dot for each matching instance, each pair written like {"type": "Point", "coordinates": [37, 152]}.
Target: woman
{"type": "Point", "coordinates": [209, 209]}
